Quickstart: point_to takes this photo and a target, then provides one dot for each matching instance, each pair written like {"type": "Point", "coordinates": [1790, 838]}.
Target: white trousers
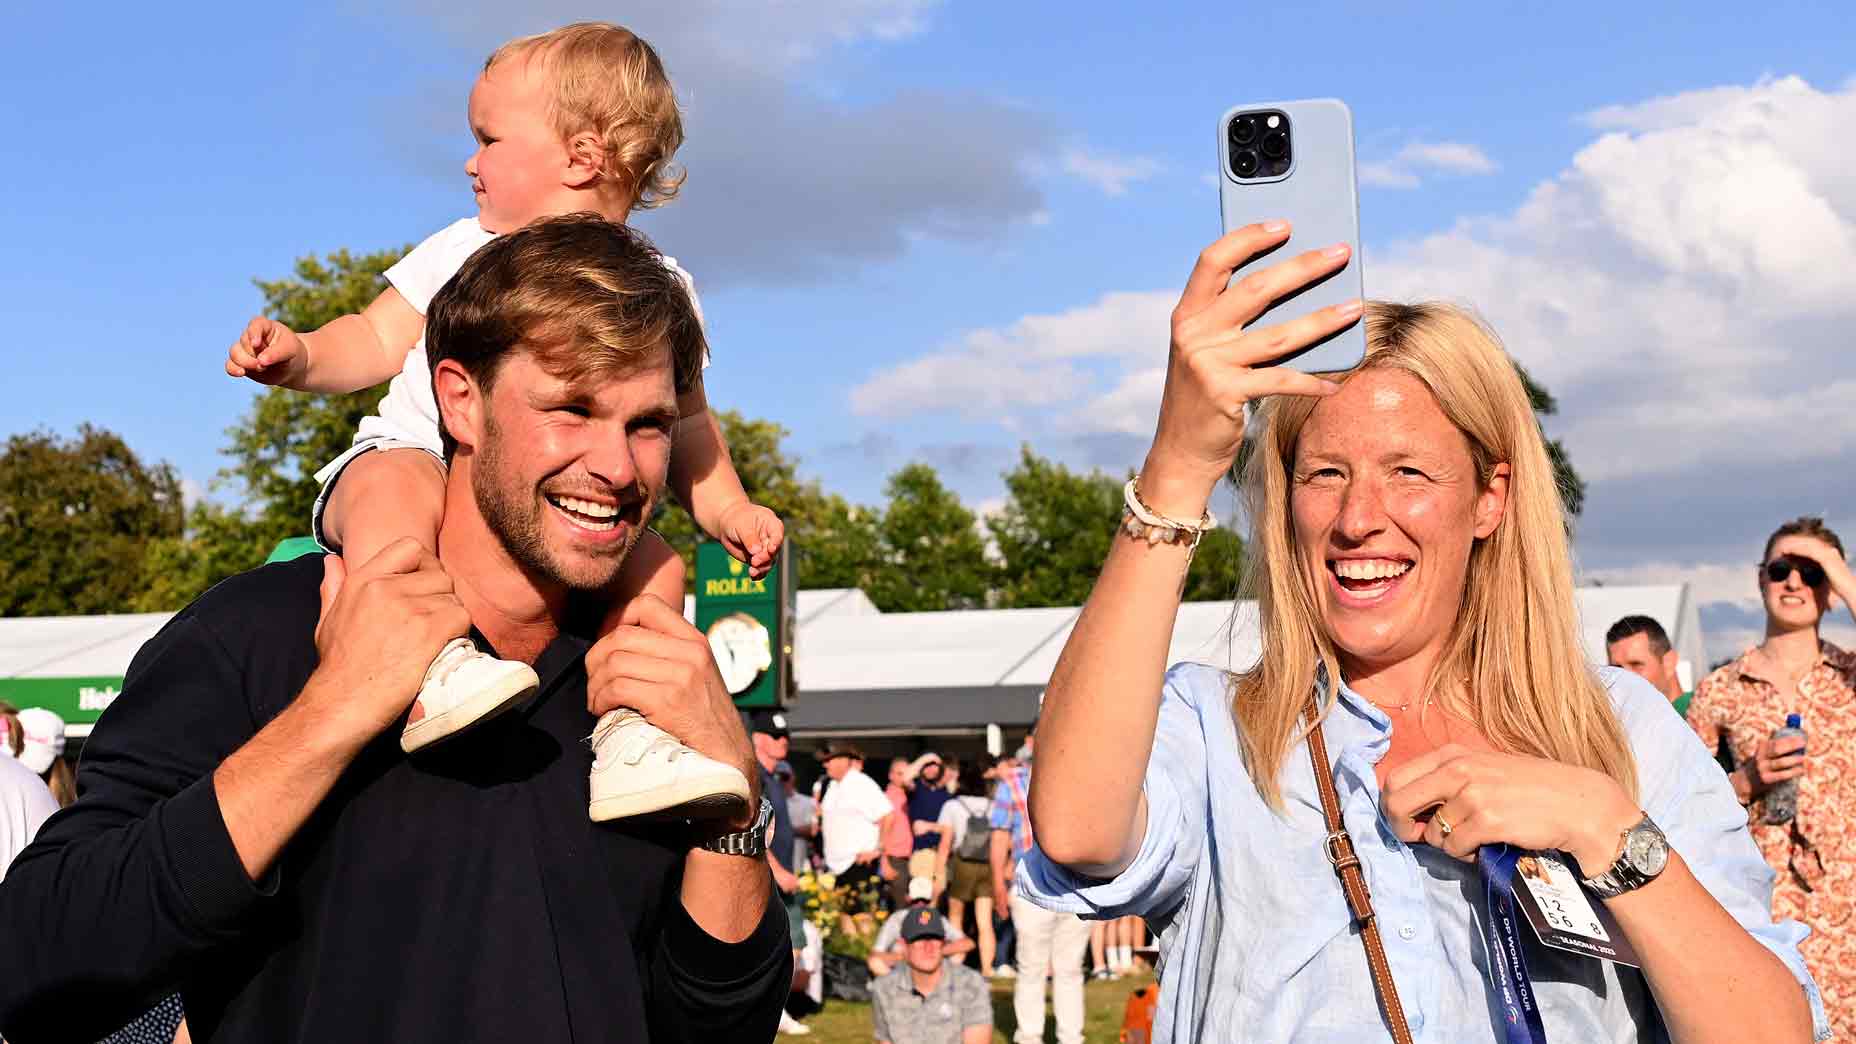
{"type": "Point", "coordinates": [1048, 943]}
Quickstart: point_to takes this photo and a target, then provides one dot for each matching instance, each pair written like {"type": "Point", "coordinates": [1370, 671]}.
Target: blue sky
{"type": "Point", "coordinates": [936, 230]}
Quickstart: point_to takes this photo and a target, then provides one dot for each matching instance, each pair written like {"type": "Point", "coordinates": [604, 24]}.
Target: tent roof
{"type": "Point", "coordinates": [858, 667]}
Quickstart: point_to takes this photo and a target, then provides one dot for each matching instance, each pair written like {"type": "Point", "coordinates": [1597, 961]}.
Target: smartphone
{"type": "Point", "coordinates": [1293, 161]}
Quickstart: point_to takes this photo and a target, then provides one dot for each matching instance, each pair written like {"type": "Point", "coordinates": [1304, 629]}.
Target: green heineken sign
{"type": "Point", "coordinates": [749, 623]}
{"type": "Point", "coordinates": [77, 700]}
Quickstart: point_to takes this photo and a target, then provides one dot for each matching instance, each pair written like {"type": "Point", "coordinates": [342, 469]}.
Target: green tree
{"type": "Point", "coordinates": [933, 557]}
{"type": "Point", "coordinates": [1217, 568]}
{"type": "Point", "coordinates": [77, 519]}
{"type": "Point", "coordinates": [1572, 487]}
{"type": "Point", "coordinates": [278, 445]}
{"type": "Point", "coordinates": [1056, 528]}
{"type": "Point", "coordinates": [835, 541]}
{"type": "Point", "coordinates": [217, 543]}
{"type": "Point", "coordinates": [1053, 532]}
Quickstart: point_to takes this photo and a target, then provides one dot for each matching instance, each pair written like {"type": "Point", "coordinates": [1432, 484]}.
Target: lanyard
{"type": "Point", "coordinates": [1508, 965]}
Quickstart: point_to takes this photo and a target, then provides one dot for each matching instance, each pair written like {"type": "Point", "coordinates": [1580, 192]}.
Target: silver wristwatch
{"type": "Point", "coordinates": [1646, 852]}
{"type": "Point", "coordinates": [749, 842]}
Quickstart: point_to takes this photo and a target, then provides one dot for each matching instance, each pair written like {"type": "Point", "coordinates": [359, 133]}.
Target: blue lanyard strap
{"type": "Point", "coordinates": [1508, 965]}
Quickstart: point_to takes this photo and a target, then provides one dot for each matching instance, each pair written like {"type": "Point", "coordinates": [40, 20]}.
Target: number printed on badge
{"type": "Point", "coordinates": [1559, 896]}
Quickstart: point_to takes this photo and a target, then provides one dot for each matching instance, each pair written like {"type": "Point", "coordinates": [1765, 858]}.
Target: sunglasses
{"type": "Point", "coordinates": [1780, 569]}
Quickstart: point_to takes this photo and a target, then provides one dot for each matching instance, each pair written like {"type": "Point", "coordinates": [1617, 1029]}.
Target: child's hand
{"type": "Point", "coordinates": [753, 535]}
{"type": "Point", "coordinates": [267, 352]}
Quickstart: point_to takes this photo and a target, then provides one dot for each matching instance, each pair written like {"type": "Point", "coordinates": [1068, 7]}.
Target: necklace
{"type": "Point", "coordinates": [1401, 707]}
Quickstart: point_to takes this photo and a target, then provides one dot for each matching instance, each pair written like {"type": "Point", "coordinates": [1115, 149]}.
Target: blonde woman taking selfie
{"type": "Point", "coordinates": [1408, 545]}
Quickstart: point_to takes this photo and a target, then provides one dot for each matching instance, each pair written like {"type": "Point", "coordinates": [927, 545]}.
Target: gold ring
{"type": "Point", "coordinates": [1442, 823]}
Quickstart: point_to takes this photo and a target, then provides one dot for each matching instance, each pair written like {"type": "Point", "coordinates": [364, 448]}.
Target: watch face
{"type": "Point", "coordinates": [742, 649]}
{"type": "Point", "coordinates": [1647, 850]}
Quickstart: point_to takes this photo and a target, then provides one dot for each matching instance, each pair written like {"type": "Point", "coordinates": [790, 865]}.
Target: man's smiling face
{"type": "Point", "coordinates": [568, 472]}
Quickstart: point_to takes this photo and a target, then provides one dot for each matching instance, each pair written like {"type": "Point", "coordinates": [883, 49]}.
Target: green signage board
{"type": "Point", "coordinates": [77, 700]}
{"type": "Point", "coordinates": [749, 623]}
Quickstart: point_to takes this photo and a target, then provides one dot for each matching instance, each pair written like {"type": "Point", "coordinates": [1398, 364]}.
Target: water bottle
{"type": "Point", "coordinates": [1782, 799]}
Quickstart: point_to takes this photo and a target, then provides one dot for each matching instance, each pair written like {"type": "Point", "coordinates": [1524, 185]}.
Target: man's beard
{"type": "Point", "coordinates": [513, 515]}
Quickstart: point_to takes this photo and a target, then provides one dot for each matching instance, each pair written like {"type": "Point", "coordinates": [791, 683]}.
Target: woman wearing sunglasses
{"type": "Point", "coordinates": [1795, 672]}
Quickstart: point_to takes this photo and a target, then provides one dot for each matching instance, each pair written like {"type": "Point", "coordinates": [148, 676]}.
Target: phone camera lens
{"type": "Point", "coordinates": [1244, 130]}
{"type": "Point", "coordinates": [1245, 163]}
{"type": "Point", "coordinates": [1275, 144]}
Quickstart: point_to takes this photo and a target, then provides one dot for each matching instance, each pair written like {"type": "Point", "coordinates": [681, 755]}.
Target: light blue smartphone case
{"type": "Point", "coordinates": [1318, 196]}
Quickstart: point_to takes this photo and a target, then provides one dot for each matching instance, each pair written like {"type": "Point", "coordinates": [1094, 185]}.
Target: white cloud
{"type": "Point", "coordinates": [1708, 582]}
{"type": "Point", "coordinates": [1112, 174]}
{"type": "Point", "coordinates": [1683, 286]}
{"type": "Point", "coordinates": [1037, 361]}
{"type": "Point", "coordinates": [969, 383]}
{"type": "Point", "coordinates": [1406, 169]}
{"type": "Point", "coordinates": [1387, 175]}
{"type": "Point", "coordinates": [1684, 290]}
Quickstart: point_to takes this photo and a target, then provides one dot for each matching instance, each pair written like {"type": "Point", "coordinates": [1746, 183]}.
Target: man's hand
{"type": "Point", "coordinates": [268, 352]}
{"type": "Point", "coordinates": [658, 665]}
{"type": "Point", "coordinates": [380, 627]}
{"type": "Point", "coordinates": [752, 534]}
{"type": "Point", "coordinates": [1775, 761]}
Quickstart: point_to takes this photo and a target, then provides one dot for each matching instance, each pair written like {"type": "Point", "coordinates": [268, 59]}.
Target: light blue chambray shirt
{"type": "Point", "coordinates": [1255, 938]}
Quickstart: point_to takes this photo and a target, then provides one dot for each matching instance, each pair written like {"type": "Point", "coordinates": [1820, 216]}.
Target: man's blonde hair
{"type": "Point", "coordinates": [1516, 636]}
{"type": "Point", "coordinates": [607, 80]}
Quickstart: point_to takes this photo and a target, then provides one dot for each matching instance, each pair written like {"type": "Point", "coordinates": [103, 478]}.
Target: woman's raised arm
{"type": "Point", "coordinates": [1096, 730]}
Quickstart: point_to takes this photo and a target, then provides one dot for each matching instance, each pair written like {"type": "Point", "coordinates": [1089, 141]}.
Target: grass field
{"type": "Point", "coordinates": [845, 1023]}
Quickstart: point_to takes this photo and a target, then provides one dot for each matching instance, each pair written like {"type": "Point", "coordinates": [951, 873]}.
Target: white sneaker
{"type": "Point", "coordinates": [793, 1027]}
{"type": "Point", "coordinates": [640, 770]}
{"type": "Point", "coordinates": [1005, 971]}
{"type": "Point", "coordinates": [463, 687]}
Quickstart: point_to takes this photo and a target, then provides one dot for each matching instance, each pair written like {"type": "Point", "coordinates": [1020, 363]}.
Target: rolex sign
{"type": "Point", "coordinates": [749, 623]}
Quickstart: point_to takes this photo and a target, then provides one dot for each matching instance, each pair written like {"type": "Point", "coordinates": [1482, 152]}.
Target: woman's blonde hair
{"type": "Point", "coordinates": [1516, 637]}
{"type": "Point", "coordinates": [607, 80]}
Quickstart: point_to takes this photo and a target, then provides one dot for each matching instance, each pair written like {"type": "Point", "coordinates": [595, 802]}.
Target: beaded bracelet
{"type": "Point", "coordinates": [1141, 522]}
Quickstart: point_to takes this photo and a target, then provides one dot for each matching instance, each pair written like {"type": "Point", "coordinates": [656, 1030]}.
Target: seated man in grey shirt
{"type": "Point", "coordinates": [930, 999]}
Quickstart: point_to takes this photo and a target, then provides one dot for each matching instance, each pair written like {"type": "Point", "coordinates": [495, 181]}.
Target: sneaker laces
{"type": "Point", "coordinates": [646, 738]}
{"type": "Point", "coordinates": [456, 653]}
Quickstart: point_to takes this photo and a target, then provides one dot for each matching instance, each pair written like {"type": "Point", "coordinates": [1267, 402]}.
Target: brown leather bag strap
{"type": "Point", "coordinates": [1353, 882]}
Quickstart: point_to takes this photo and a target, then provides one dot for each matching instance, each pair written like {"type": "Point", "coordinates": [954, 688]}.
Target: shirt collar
{"type": "Point", "coordinates": [1755, 664]}
{"type": "Point", "coordinates": [1355, 719]}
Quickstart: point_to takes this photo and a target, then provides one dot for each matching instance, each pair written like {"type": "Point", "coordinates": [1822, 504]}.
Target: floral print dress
{"type": "Point", "coordinates": [1814, 856]}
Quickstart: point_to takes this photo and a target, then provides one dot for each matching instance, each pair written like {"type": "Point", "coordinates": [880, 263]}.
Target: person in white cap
{"type": "Point", "coordinates": [41, 749]}
{"type": "Point", "coordinates": [25, 800]}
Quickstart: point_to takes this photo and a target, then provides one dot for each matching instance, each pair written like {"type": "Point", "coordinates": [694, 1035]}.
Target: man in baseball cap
{"type": "Point", "coordinates": [930, 999]}
{"type": "Point", "coordinates": [772, 740]}
{"type": "Point", "coordinates": [890, 948]}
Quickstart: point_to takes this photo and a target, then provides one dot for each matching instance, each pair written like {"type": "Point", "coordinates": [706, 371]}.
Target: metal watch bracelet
{"type": "Point", "coordinates": [749, 842]}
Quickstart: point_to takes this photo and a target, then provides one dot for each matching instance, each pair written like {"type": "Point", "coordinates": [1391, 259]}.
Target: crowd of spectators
{"type": "Point", "coordinates": [943, 836]}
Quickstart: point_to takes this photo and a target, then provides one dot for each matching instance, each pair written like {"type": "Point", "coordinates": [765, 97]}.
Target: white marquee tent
{"type": "Point", "coordinates": [861, 672]}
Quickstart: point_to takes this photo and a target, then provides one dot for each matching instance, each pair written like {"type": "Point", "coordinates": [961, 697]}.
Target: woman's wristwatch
{"type": "Point", "coordinates": [1646, 852]}
{"type": "Point", "coordinates": [749, 842]}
